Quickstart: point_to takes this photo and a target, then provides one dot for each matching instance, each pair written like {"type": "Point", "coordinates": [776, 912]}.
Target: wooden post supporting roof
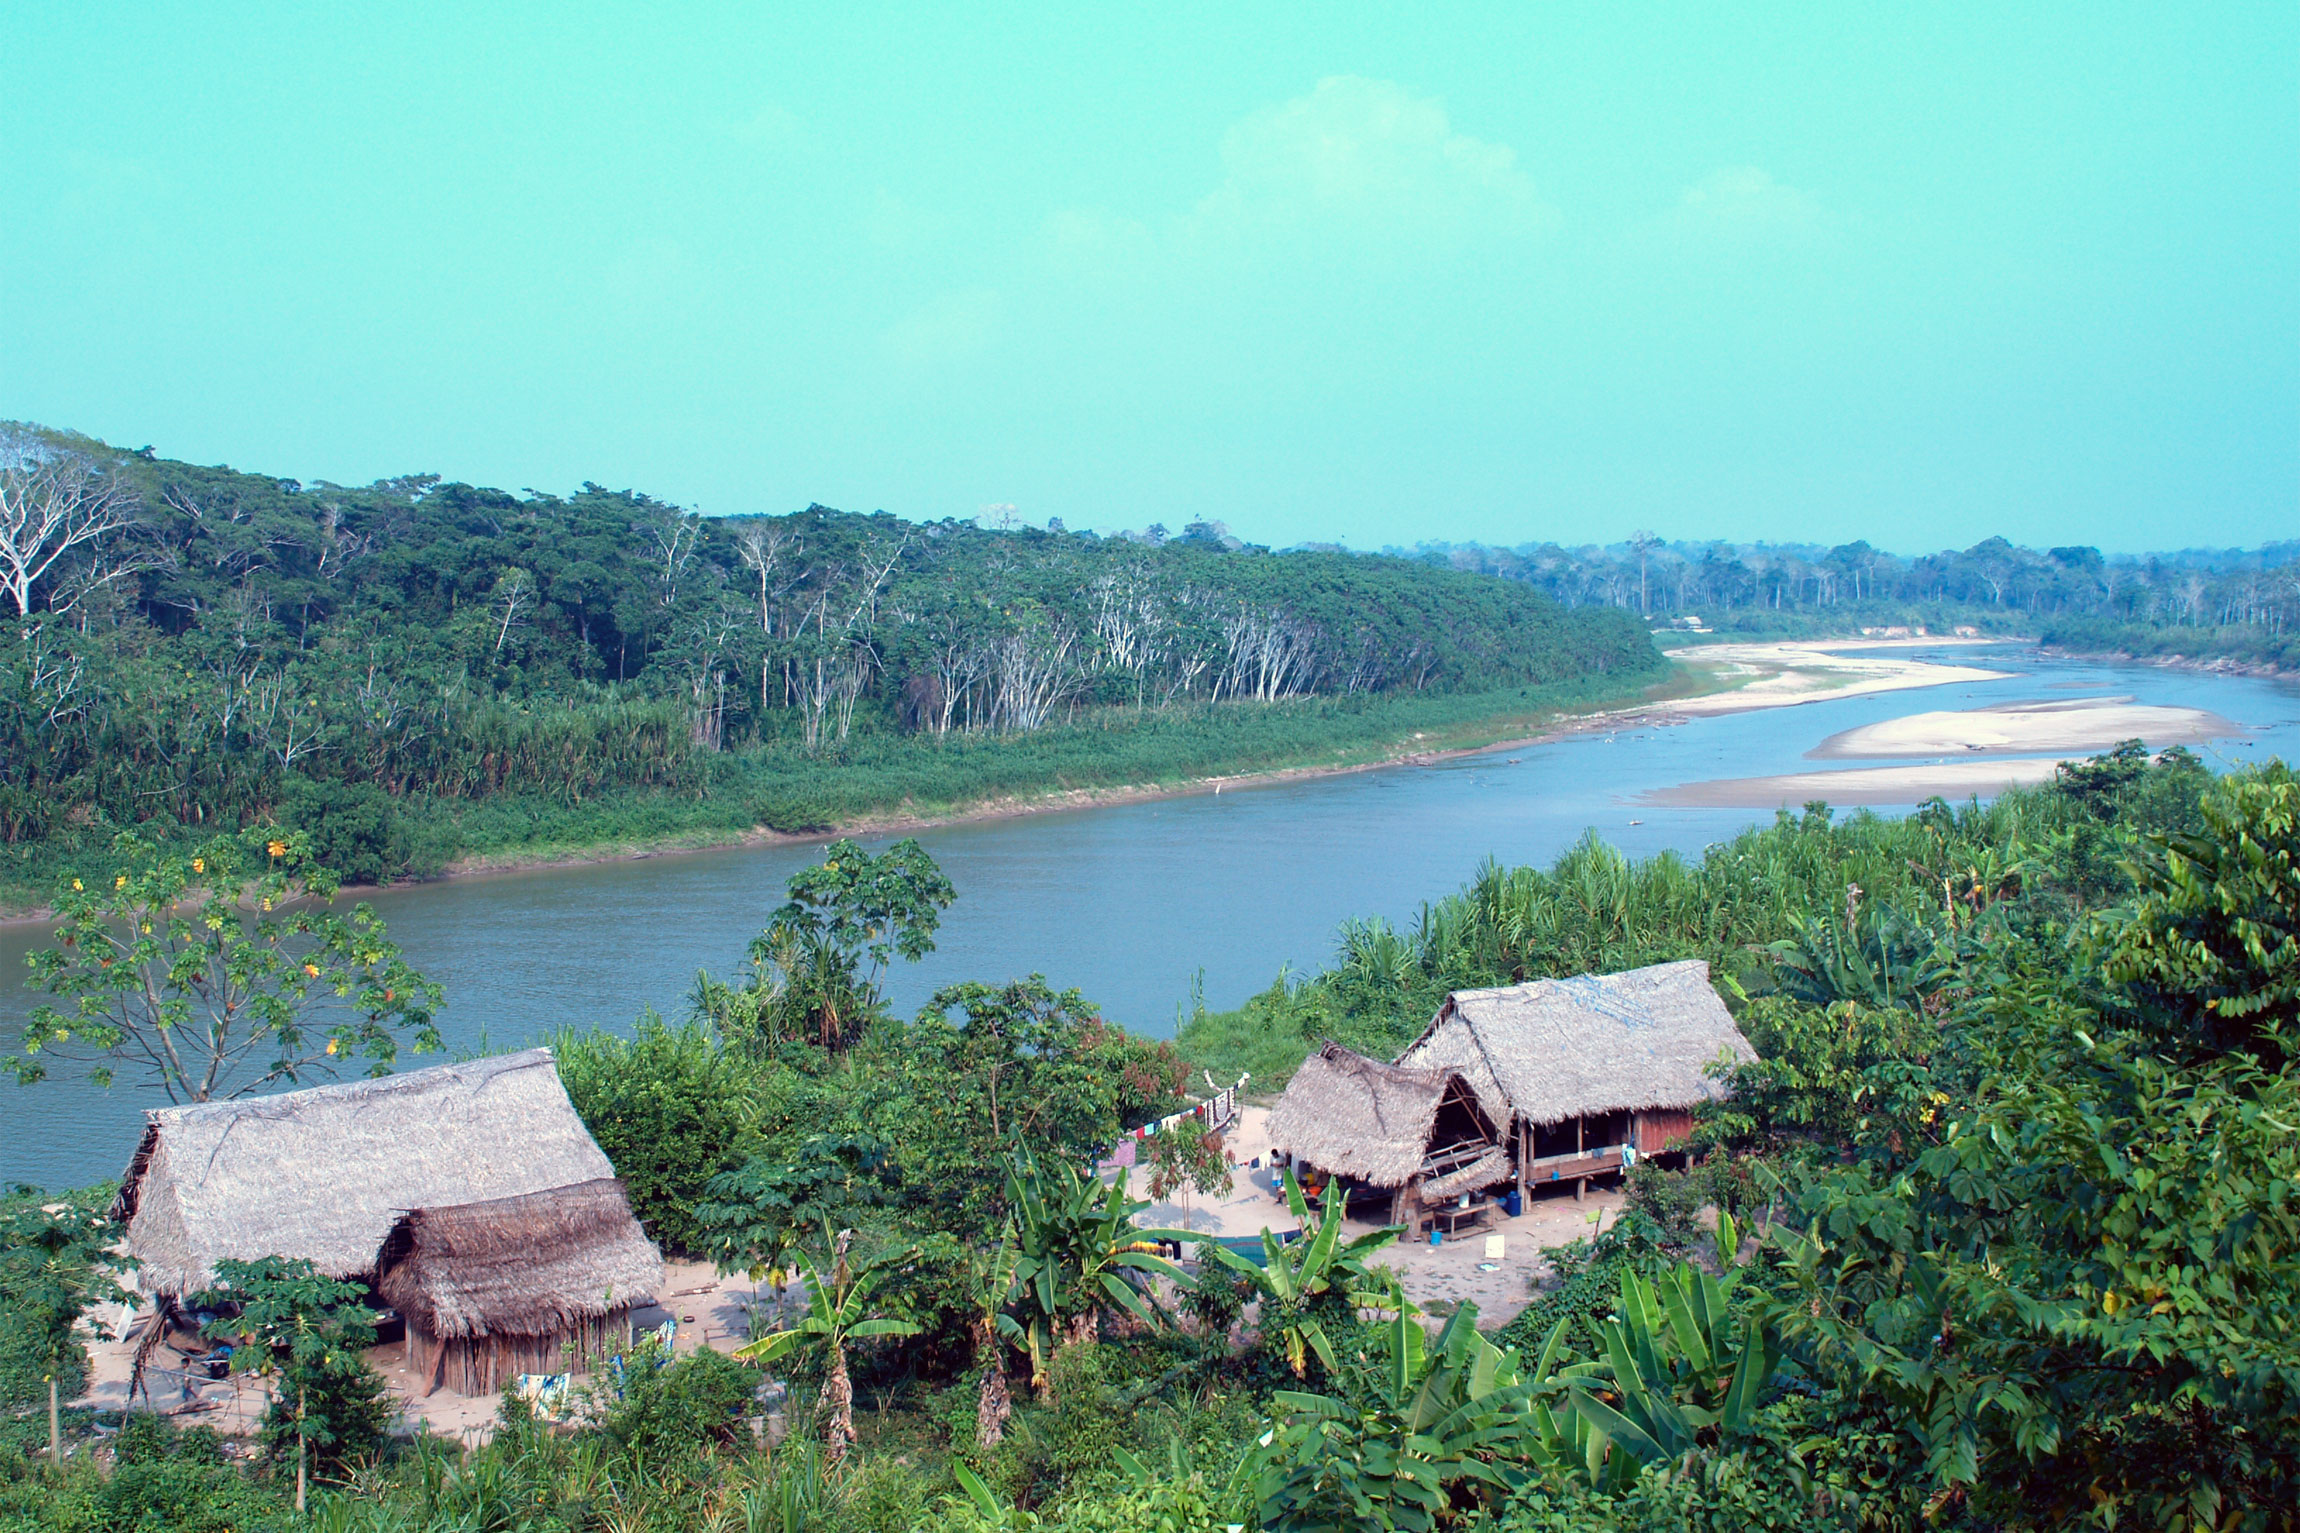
{"type": "Point", "coordinates": [1581, 1184]}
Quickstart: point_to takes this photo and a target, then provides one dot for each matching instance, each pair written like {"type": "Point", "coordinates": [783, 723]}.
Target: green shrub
{"type": "Point", "coordinates": [668, 1107]}
{"type": "Point", "coordinates": [176, 1480]}
{"type": "Point", "coordinates": [680, 1406]}
{"type": "Point", "coordinates": [354, 828]}
{"type": "Point", "coordinates": [792, 813]}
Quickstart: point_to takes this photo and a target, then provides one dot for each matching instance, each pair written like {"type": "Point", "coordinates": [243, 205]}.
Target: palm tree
{"type": "Point", "coordinates": [840, 1312]}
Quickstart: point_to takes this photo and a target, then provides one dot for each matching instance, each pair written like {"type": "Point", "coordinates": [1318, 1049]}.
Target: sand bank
{"type": "Point", "coordinates": [1953, 780]}
{"type": "Point", "coordinates": [1809, 671]}
{"type": "Point", "coordinates": [2076, 725]}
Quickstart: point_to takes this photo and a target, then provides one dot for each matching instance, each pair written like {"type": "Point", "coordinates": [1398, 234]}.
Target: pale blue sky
{"type": "Point", "coordinates": [1914, 273]}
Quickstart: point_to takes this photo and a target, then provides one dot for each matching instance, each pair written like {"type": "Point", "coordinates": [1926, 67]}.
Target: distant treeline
{"type": "Point", "coordinates": [2212, 598]}
{"type": "Point", "coordinates": [201, 646]}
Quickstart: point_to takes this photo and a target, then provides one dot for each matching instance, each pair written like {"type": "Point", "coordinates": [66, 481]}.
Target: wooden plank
{"type": "Point", "coordinates": [1524, 1150]}
{"type": "Point", "coordinates": [1610, 1154]}
{"type": "Point", "coordinates": [1659, 1132]}
{"type": "Point", "coordinates": [1575, 1168]}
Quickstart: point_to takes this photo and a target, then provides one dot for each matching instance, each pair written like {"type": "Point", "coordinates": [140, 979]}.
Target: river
{"type": "Point", "coordinates": [1129, 903]}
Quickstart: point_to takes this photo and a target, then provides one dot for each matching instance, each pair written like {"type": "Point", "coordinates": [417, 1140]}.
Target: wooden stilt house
{"type": "Point", "coordinates": [487, 1158]}
{"type": "Point", "coordinates": [1579, 1071]}
{"type": "Point", "coordinates": [1419, 1135]}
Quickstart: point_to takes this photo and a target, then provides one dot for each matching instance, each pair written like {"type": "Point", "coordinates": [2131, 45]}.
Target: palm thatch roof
{"type": "Point", "coordinates": [321, 1174]}
{"type": "Point", "coordinates": [1358, 1117]}
{"type": "Point", "coordinates": [1564, 1048]}
{"type": "Point", "coordinates": [532, 1265]}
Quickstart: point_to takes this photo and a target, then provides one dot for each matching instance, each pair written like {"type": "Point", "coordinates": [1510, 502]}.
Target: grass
{"type": "Point", "coordinates": [883, 776]}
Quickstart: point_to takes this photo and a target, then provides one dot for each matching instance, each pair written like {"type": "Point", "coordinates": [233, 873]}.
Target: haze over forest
{"type": "Point", "coordinates": [1343, 276]}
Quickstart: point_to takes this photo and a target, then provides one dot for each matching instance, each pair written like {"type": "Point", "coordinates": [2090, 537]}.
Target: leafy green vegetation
{"type": "Point", "coordinates": [309, 1333]}
{"type": "Point", "coordinates": [2197, 604]}
{"type": "Point", "coordinates": [219, 971]}
{"type": "Point", "coordinates": [2260, 644]}
{"type": "Point", "coordinates": [416, 671]}
{"type": "Point", "coordinates": [1999, 1231]}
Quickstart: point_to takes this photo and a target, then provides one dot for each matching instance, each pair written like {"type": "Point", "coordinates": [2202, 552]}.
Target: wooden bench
{"type": "Point", "coordinates": [1454, 1217]}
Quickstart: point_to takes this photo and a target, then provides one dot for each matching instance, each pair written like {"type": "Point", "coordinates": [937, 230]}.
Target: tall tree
{"type": "Point", "coordinates": [53, 502]}
{"type": "Point", "coordinates": [221, 973]}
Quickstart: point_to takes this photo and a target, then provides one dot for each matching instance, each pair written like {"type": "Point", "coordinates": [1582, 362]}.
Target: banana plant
{"type": "Point", "coordinates": [1676, 1365]}
{"type": "Point", "coordinates": [1075, 1254]}
{"type": "Point", "coordinates": [1295, 1275]}
{"type": "Point", "coordinates": [991, 1514]}
{"type": "Point", "coordinates": [990, 1280]}
{"type": "Point", "coordinates": [841, 1310]}
{"type": "Point", "coordinates": [1430, 1426]}
{"type": "Point", "coordinates": [1880, 958]}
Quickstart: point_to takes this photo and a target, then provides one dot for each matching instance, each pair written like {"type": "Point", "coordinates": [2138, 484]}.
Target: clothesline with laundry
{"type": "Point", "coordinates": [1210, 1116]}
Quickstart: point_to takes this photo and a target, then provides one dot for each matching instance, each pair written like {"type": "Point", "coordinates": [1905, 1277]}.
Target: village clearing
{"type": "Point", "coordinates": [712, 1311]}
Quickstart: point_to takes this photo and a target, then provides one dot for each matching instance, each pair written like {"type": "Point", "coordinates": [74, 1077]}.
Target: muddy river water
{"type": "Point", "coordinates": [1134, 904]}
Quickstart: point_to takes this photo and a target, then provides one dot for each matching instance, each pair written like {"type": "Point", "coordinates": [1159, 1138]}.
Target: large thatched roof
{"type": "Point", "coordinates": [1358, 1116]}
{"type": "Point", "coordinates": [531, 1265]}
{"type": "Point", "coordinates": [321, 1174]}
{"type": "Point", "coordinates": [1561, 1048]}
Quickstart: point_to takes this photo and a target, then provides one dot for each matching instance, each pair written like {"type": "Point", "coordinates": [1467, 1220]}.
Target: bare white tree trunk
{"type": "Point", "coordinates": [52, 502]}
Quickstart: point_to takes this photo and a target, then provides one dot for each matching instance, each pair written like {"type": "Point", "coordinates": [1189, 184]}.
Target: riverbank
{"type": "Point", "coordinates": [891, 784]}
{"type": "Point", "coordinates": [906, 785]}
{"type": "Point", "coordinates": [1704, 681]}
{"type": "Point", "coordinates": [2218, 665]}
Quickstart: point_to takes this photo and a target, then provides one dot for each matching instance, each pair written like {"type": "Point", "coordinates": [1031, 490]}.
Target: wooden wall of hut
{"type": "Point", "coordinates": [1659, 1130]}
{"type": "Point", "coordinates": [482, 1365]}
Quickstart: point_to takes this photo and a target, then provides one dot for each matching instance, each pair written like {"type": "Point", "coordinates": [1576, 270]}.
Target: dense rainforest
{"type": "Point", "coordinates": [2200, 604]}
{"type": "Point", "coordinates": [429, 667]}
{"type": "Point", "coordinates": [2001, 1228]}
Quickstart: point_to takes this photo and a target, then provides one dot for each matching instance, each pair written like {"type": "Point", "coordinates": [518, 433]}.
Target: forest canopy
{"type": "Point", "coordinates": [206, 647]}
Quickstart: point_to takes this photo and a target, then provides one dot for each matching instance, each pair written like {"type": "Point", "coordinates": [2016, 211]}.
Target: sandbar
{"type": "Point", "coordinates": [1781, 674]}
{"type": "Point", "coordinates": [2075, 725]}
{"type": "Point", "coordinates": [1953, 780]}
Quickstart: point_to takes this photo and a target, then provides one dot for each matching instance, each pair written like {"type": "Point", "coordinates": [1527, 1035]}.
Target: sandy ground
{"type": "Point", "coordinates": [711, 1312]}
{"type": "Point", "coordinates": [1806, 671]}
{"type": "Point", "coordinates": [1952, 780]}
{"type": "Point", "coordinates": [1440, 1276]}
{"type": "Point", "coordinates": [2010, 739]}
{"type": "Point", "coordinates": [2084, 724]}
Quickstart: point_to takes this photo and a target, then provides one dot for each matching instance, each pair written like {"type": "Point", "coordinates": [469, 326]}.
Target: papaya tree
{"type": "Point", "coordinates": [220, 972]}
{"type": "Point", "coordinates": [286, 1320]}
{"type": "Point", "coordinates": [56, 1261]}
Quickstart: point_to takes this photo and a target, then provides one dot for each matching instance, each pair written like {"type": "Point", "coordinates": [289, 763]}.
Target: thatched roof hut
{"type": "Point", "coordinates": [1590, 1045]}
{"type": "Point", "coordinates": [1358, 1117]}
{"type": "Point", "coordinates": [323, 1173]}
{"type": "Point", "coordinates": [516, 1285]}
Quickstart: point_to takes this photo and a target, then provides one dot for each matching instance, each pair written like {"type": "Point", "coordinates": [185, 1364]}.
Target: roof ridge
{"type": "Point", "coordinates": [481, 1070]}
